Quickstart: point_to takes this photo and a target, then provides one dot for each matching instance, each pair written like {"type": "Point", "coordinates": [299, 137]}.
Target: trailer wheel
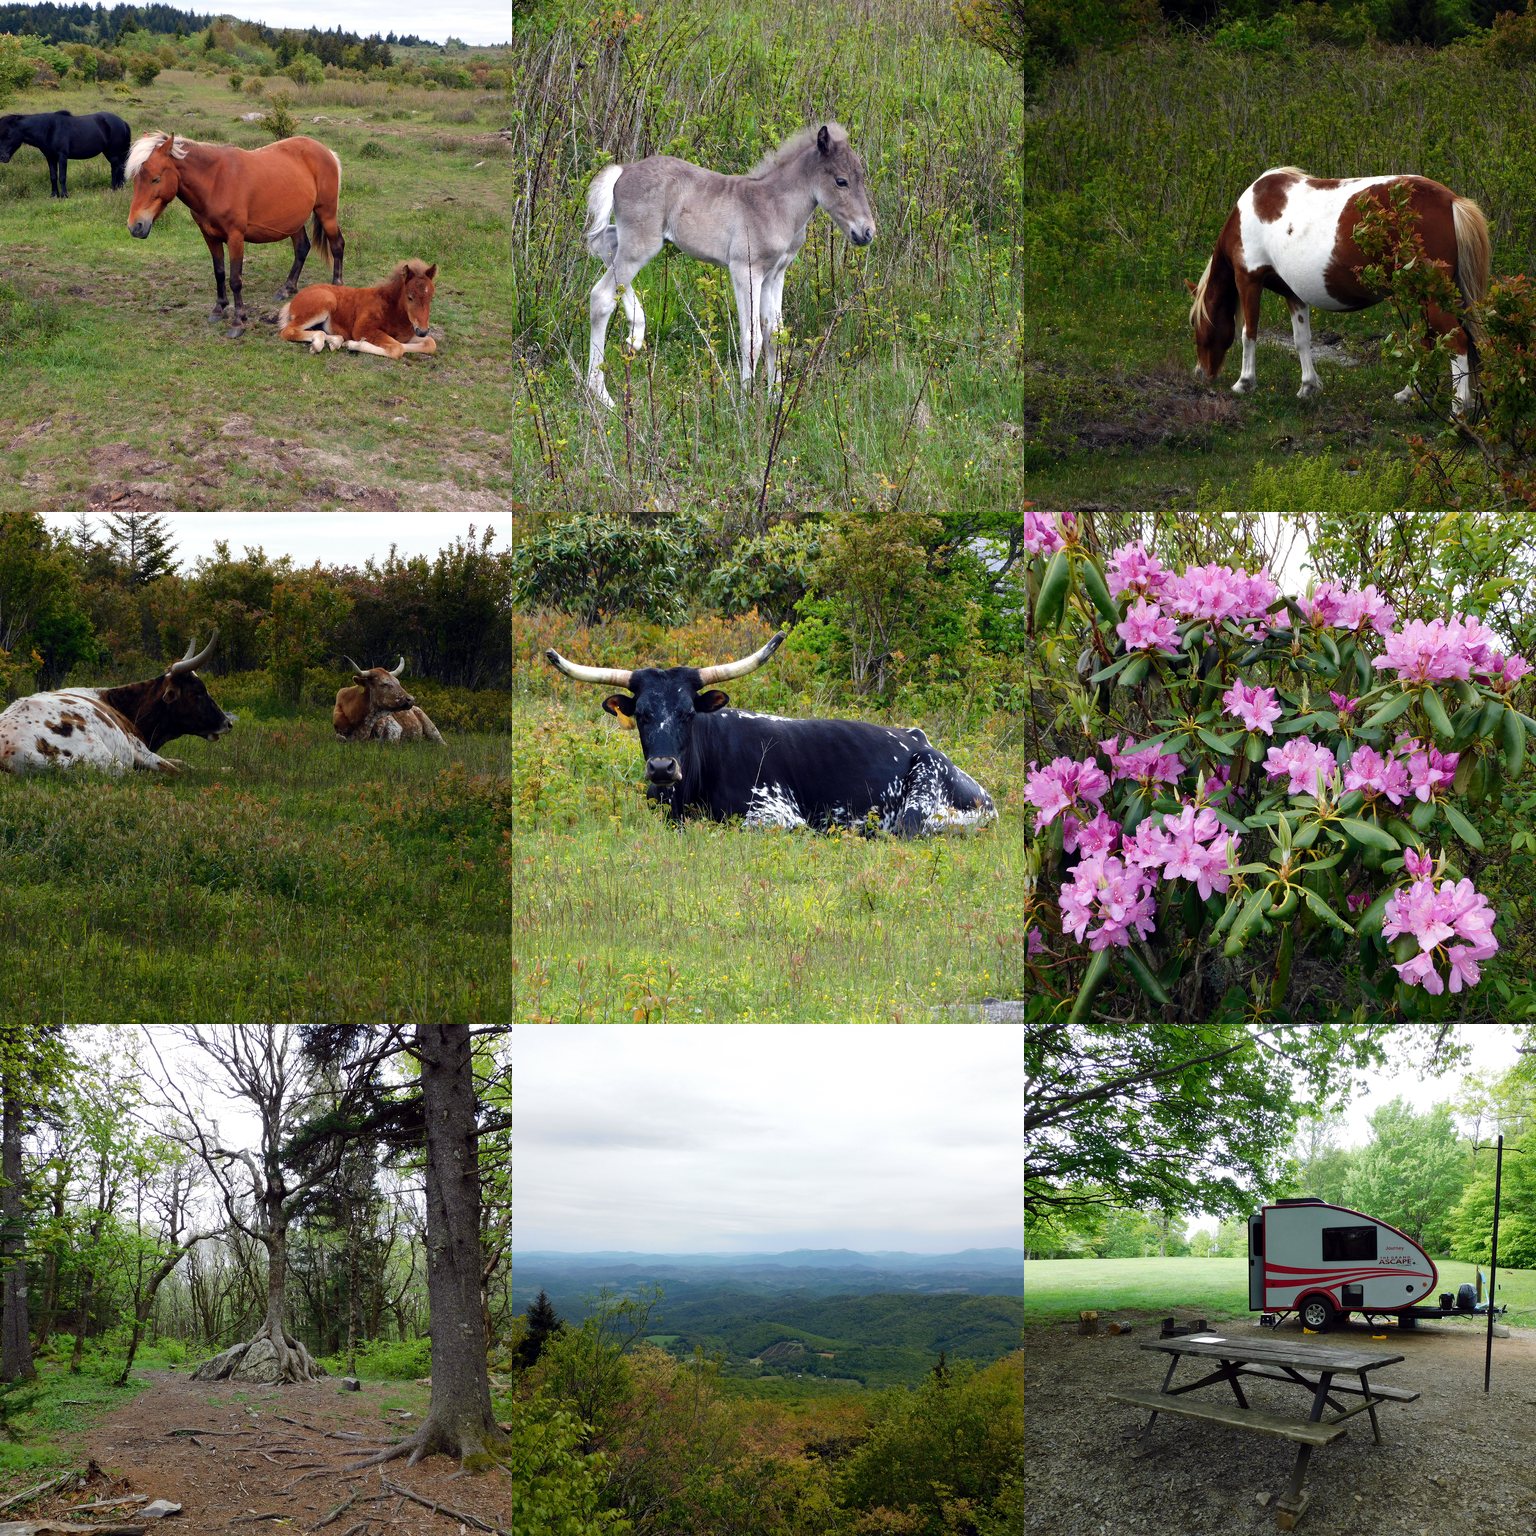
{"type": "Point", "coordinates": [1318, 1313]}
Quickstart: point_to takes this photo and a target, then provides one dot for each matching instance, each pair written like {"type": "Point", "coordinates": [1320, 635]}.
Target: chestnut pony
{"type": "Point", "coordinates": [389, 319]}
{"type": "Point", "coordinates": [1294, 234]}
{"type": "Point", "coordinates": [239, 195]}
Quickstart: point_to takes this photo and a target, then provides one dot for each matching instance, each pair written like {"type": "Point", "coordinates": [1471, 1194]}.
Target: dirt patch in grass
{"type": "Point", "coordinates": [1454, 1461]}
{"type": "Point", "coordinates": [1124, 410]}
{"type": "Point", "coordinates": [252, 1466]}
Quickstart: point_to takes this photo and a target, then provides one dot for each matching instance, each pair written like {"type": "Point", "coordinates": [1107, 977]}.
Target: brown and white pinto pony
{"type": "Point", "coordinates": [389, 319]}
{"type": "Point", "coordinates": [377, 708]}
{"type": "Point", "coordinates": [1294, 234]}
{"type": "Point", "coordinates": [239, 195]}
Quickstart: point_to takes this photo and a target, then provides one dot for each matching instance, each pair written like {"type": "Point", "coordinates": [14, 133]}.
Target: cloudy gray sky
{"type": "Point", "coordinates": [471, 21]}
{"type": "Point", "coordinates": [753, 1138]}
{"type": "Point", "coordinates": [343, 538]}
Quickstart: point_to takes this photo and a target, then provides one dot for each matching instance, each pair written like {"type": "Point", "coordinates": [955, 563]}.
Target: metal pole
{"type": "Point", "coordinates": [1493, 1261]}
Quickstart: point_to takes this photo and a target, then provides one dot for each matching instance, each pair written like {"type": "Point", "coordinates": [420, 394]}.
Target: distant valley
{"type": "Point", "coordinates": [872, 1319]}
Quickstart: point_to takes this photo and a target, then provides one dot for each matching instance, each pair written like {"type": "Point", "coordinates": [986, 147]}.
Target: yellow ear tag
{"type": "Point", "coordinates": [626, 721]}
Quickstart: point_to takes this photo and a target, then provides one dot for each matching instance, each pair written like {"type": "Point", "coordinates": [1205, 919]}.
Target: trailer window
{"type": "Point", "coordinates": [1349, 1243]}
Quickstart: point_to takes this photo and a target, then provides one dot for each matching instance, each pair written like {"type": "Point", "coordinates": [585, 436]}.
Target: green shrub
{"type": "Point", "coordinates": [278, 119]}
{"type": "Point", "coordinates": [387, 1359]}
{"type": "Point", "coordinates": [144, 67]}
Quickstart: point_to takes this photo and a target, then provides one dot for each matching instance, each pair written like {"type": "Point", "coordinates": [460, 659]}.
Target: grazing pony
{"type": "Point", "coordinates": [753, 225]}
{"type": "Point", "coordinates": [1295, 235]}
{"type": "Point", "coordinates": [63, 137]}
{"type": "Point", "coordinates": [389, 319]}
{"type": "Point", "coordinates": [235, 195]}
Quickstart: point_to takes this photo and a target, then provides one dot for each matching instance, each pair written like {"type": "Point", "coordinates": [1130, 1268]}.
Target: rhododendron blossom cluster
{"type": "Point", "coordinates": [1452, 924]}
{"type": "Point", "coordinates": [1041, 535]}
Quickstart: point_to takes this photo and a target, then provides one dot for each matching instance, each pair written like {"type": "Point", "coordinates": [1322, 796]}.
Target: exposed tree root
{"type": "Point", "coordinates": [273, 1356]}
{"type": "Point", "coordinates": [443, 1509]}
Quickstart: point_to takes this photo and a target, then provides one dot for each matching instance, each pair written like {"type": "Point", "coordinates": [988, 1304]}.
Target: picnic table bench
{"type": "Point", "coordinates": [1272, 1359]}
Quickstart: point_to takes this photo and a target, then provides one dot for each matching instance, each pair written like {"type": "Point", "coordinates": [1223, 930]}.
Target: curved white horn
{"type": "Point", "coordinates": [398, 668]}
{"type": "Point", "coordinates": [729, 669]}
{"type": "Point", "coordinates": [352, 663]}
{"type": "Point", "coordinates": [615, 675]}
{"type": "Point", "coordinates": [189, 662]}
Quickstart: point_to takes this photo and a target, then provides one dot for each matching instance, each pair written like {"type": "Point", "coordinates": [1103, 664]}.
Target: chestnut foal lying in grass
{"type": "Point", "coordinates": [389, 319]}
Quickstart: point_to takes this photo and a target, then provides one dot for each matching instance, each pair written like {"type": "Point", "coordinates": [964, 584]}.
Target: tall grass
{"type": "Point", "coordinates": [285, 876]}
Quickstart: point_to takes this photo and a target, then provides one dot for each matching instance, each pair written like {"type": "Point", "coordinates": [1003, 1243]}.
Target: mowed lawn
{"type": "Point", "coordinates": [117, 389]}
{"type": "Point", "coordinates": [1060, 1288]}
{"type": "Point", "coordinates": [618, 914]}
{"type": "Point", "coordinates": [286, 876]}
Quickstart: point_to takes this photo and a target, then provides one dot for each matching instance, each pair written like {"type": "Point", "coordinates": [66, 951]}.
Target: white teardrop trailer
{"type": "Point", "coordinates": [1325, 1261]}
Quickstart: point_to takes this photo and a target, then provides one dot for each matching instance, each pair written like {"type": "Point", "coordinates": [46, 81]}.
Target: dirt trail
{"type": "Point", "coordinates": [1454, 1463]}
{"type": "Point", "coordinates": [249, 1470]}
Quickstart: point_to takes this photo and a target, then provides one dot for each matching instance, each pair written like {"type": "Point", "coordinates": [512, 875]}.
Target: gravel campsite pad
{"type": "Point", "coordinates": [1454, 1463]}
{"type": "Point", "coordinates": [245, 1468]}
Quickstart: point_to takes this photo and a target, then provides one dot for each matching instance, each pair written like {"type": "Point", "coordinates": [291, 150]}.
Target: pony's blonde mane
{"type": "Point", "coordinates": [146, 144]}
{"type": "Point", "coordinates": [1197, 314]}
{"type": "Point", "coordinates": [797, 142]}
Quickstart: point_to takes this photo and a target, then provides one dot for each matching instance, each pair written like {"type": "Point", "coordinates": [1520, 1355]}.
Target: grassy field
{"type": "Point", "coordinates": [119, 392]}
{"type": "Point", "coordinates": [285, 876]}
{"type": "Point", "coordinates": [1060, 1288]}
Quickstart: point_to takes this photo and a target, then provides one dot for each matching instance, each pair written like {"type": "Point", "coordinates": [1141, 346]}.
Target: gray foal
{"type": "Point", "coordinates": [752, 225]}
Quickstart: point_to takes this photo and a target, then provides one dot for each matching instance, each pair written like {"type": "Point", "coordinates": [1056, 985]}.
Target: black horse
{"type": "Point", "coordinates": [63, 137]}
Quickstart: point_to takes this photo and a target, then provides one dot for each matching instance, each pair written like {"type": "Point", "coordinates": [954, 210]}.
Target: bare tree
{"type": "Point", "coordinates": [260, 1194]}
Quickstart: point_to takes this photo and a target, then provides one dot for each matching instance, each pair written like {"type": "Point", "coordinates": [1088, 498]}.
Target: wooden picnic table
{"type": "Point", "coordinates": [1302, 1363]}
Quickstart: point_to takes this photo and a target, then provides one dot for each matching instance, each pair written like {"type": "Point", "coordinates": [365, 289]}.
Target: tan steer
{"type": "Point", "coordinates": [377, 708]}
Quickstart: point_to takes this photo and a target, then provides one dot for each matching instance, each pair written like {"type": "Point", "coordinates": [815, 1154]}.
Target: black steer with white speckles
{"type": "Point", "coordinates": [700, 754]}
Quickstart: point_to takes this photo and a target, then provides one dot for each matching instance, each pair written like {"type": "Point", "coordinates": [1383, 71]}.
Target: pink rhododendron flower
{"type": "Point", "coordinates": [1358, 901]}
{"type": "Point", "coordinates": [1062, 783]}
{"type": "Point", "coordinates": [1428, 767]}
{"type": "Point", "coordinates": [1438, 650]}
{"type": "Point", "coordinates": [1335, 607]}
{"type": "Point", "coordinates": [1086, 837]}
{"type": "Point", "coordinates": [1376, 775]}
{"type": "Point", "coordinates": [1506, 671]}
{"type": "Point", "coordinates": [1193, 845]}
{"type": "Point", "coordinates": [1255, 707]}
{"type": "Point", "coordinates": [1133, 570]}
{"type": "Point", "coordinates": [1146, 627]}
{"type": "Point", "coordinates": [1148, 766]}
{"type": "Point", "coordinates": [1041, 535]}
{"type": "Point", "coordinates": [1419, 865]}
{"type": "Point", "coordinates": [1451, 922]}
{"type": "Point", "coordinates": [1116, 895]}
{"type": "Point", "coordinates": [1217, 592]}
{"type": "Point", "coordinates": [1309, 767]}
{"type": "Point", "coordinates": [1343, 703]}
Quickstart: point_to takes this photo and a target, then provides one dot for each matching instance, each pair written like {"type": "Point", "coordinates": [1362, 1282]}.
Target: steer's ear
{"type": "Point", "coordinates": [622, 707]}
{"type": "Point", "coordinates": [708, 702]}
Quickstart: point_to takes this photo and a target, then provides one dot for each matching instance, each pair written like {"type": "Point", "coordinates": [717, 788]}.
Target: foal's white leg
{"type": "Point", "coordinates": [634, 318]}
{"type": "Point", "coordinates": [1301, 334]}
{"type": "Point", "coordinates": [748, 284]}
{"type": "Point", "coordinates": [1250, 374]}
{"type": "Point", "coordinates": [773, 313]}
{"type": "Point", "coordinates": [600, 308]}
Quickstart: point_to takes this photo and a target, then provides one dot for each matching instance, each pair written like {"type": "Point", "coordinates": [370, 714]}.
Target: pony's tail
{"type": "Point", "coordinates": [1474, 261]}
{"type": "Point", "coordinates": [318, 237]}
{"type": "Point", "coordinates": [601, 237]}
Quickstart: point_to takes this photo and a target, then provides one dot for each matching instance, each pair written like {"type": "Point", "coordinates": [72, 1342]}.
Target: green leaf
{"type": "Point", "coordinates": [1390, 710]}
{"type": "Point", "coordinates": [1434, 710]}
{"type": "Point", "coordinates": [1256, 749]}
{"type": "Point", "coordinates": [1257, 904]}
{"type": "Point", "coordinates": [1114, 669]}
{"type": "Point", "coordinates": [1093, 979]}
{"type": "Point", "coordinates": [1514, 743]}
{"type": "Point", "coordinates": [1461, 826]}
{"type": "Point", "coordinates": [1098, 592]}
{"type": "Point", "coordinates": [1492, 714]}
{"type": "Point", "coordinates": [1324, 911]}
{"type": "Point", "coordinates": [1144, 974]}
{"type": "Point", "coordinates": [1137, 670]}
{"type": "Point", "coordinates": [1368, 834]}
{"type": "Point", "coordinates": [1054, 586]}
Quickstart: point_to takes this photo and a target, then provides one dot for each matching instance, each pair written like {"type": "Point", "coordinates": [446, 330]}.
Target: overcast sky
{"type": "Point", "coordinates": [758, 1138]}
{"type": "Point", "coordinates": [339, 538]}
{"type": "Point", "coordinates": [471, 21]}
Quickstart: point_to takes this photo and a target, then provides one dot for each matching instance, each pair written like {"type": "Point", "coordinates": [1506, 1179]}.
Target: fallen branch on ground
{"type": "Point", "coordinates": [345, 1504]}
{"type": "Point", "coordinates": [36, 1527]}
{"type": "Point", "coordinates": [171, 1432]}
{"type": "Point", "coordinates": [443, 1509]}
{"type": "Point", "coordinates": [27, 1495]}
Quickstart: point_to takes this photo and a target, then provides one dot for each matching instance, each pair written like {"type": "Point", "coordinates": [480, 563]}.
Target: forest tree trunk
{"type": "Point", "coordinates": [15, 1336]}
{"type": "Point", "coordinates": [459, 1422]}
{"type": "Point", "coordinates": [272, 1354]}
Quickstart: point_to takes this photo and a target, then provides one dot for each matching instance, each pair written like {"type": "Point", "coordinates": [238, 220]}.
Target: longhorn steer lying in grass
{"type": "Point", "coordinates": [775, 772]}
{"type": "Point", "coordinates": [377, 708]}
{"type": "Point", "coordinates": [113, 729]}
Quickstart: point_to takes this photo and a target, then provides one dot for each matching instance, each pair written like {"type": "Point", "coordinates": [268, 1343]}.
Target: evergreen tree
{"type": "Point", "coordinates": [142, 546]}
{"type": "Point", "coordinates": [543, 1324]}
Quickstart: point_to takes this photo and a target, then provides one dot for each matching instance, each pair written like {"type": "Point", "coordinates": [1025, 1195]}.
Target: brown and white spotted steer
{"type": "Point", "coordinates": [113, 729]}
{"type": "Point", "coordinates": [1294, 234]}
{"type": "Point", "coordinates": [377, 708]}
